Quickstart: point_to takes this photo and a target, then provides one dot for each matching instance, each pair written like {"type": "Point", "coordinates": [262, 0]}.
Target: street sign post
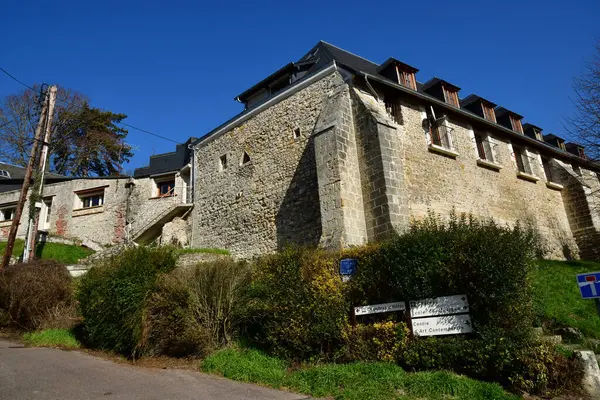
{"type": "Point", "coordinates": [380, 308]}
{"type": "Point", "coordinates": [589, 287]}
{"type": "Point", "coordinates": [348, 268]}
{"type": "Point", "coordinates": [447, 315]}
{"type": "Point", "coordinates": [439, 306]}
{"type": "Point", "coordinates": [446, 325]}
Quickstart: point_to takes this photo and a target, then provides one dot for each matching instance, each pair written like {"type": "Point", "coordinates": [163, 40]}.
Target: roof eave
{"type": "Point", "coordinates": [510, 133]}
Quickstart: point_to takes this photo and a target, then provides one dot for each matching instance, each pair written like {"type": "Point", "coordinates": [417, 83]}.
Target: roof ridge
{"type": "Point", "coordinates": [349, 52]}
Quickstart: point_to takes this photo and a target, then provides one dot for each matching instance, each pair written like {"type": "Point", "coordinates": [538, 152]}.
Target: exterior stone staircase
{"type": "Point", "coordinates": [141, 233]}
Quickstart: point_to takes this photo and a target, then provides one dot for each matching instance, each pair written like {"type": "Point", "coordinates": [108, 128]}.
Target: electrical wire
{"type": "Point", "coordinates": [78, 106]}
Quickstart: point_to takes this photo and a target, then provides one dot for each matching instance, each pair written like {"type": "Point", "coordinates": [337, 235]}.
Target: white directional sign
{"type": "Point", "coordinates": [446, 325]}
{"type": "Point", "coordinates": [439, 306]}
{"type": "Point", "coordinates": [380, 308]}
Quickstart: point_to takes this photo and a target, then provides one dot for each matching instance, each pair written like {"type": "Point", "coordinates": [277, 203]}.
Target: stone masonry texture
{"type": "Point", "coordinates": [327, 165]}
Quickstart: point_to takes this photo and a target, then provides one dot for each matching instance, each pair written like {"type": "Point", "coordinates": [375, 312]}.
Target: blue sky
{"type": "Point", "coordinates": [174, 67]}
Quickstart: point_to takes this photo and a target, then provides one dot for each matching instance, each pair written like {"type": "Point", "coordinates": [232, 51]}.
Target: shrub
{"type": "Point", "coordinates": [195, 310]}
{"type": "Point", "coordinates": [113, 293]}
{"type": "Point", "coordinates": [488, 263]}
{"type": "Point", "coordinates": [522, 366]}
{"type": "Point", "coordinates": [299, 309]}
{"type": "Point", "coordinates": [381, 341]}
{"type": "Point", "coordinates": [34, 295]}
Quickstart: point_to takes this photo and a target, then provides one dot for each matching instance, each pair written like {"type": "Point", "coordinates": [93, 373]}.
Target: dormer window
{"type": "Point", "coordinates": [451, 96]}
{"type": "Point", "coordinates": [396, 70]}
{"type": "Point", "coordinates": [581, 152]}
{"type": "Point", "coordinates": [516, 124]}
{"type": "Point", "coordinates": [538, 134]}
{"type": "Point", "coordinates": [488, 112]}
{"type": "Point", "coordinates": [406, 78]}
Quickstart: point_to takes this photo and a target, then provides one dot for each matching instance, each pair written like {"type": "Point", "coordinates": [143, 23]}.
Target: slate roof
{"type": "Point", "coordinates": [500, 111]}
{"type": "Point", "coordinates": [166, 162]}
{"type": "Point", "coordinates": [17, 174]}
{"type": "Point", "coordinates": [324, 54]}
{"type": "Point", "coordinates": [472, 98]}
{"type": "Point", "coordinates": [435, 80]}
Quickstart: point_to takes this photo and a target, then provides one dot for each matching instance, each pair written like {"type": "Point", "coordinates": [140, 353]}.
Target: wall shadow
{"type": "Point", "coordinates": [298, 220]}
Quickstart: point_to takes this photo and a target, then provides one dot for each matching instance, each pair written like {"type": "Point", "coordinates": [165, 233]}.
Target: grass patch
{"type": "Point", "coordinates": [557, 300]}
{"type": "Point", "coordinates": [63, 253]}
{"type": "Point", "coordinates": [376, 381]}
{"type": "Point", "coordinates": [62, 338]}
{"type": "Point", "coordinates": [193, 250]}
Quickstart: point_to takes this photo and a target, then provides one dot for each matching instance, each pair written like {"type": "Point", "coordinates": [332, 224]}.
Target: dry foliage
{"type": "Point", "coordinates": [36, 295]}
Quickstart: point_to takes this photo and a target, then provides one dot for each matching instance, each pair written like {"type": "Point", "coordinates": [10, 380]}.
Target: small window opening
{"type": "Point", "coordinates": [4, 174]}
{"type": "Point", "coordinates": [7, 214]}
{"type": "Point", "coordinates": [223, 162]}
{"type": "Point", "coordinates": [245, 158]}
{"type": "Point", "coordinates": [576, 169]}
{"type": "Point", "coordinates": [547, 169]}
{"type": "Point", "coordinates": [484, 147]}
{"type": "Point", "coordinates": [165, 188]}
{"type": "Point", "coordinates": [297, 133]}
{"type": "Point", "coordinates": [522, 159]}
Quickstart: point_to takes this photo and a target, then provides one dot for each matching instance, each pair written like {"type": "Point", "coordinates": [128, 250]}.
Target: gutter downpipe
{"type": "Point", "coordinates": [370, 87]}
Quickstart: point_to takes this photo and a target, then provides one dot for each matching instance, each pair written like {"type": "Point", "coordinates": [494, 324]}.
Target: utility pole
{"type": "Point", "coordinates": [25, 188]}
{"type": "Point", "coordinates": [35, 197]}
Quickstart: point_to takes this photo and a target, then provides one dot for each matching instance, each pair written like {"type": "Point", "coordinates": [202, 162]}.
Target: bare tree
{"type": "Point", "coordinates": [86, 141]}
{"type": "Point", "coordinates": [584, 124]}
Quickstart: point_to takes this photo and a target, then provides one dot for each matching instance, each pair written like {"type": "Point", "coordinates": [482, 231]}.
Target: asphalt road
{"type": "Point", "coordinates": [40, 373]}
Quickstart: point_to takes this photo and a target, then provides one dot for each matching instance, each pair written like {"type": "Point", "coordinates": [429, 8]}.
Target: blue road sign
{"type": "Point", "coordinates": [348, 266]}
{"type": "Point", "coordinates": [589, 285]}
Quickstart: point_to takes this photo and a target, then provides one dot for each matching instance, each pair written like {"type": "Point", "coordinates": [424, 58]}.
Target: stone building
{"type": "Point", "coordinates": [335, 150]}
{"type": "Point", "coordinates": [105, 211]}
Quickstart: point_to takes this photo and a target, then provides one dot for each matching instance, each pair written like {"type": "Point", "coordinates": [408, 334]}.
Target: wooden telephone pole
{"type": "Point", "coordinates": [26, 183]}
{"type": "Point", "coordinates": [36, 196]}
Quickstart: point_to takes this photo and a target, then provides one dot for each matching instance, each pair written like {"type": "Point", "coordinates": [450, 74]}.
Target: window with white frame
{"type": "Point", "coordinates": [89, 198]}
{"type": "Point", "coordinates": [7, 212]}
{"type": "Point", "coordinates": [93, 200]}
{"type": "Point", "coordinates": [484, 145]}
{"type": "Point", "coordinates": [522, 159]}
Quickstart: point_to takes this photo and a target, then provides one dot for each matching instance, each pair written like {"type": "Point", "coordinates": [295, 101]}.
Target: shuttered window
{"type": "Point", "coordinates": [516, 124]}
{"type": "Point", "coordinates": [488, 113]}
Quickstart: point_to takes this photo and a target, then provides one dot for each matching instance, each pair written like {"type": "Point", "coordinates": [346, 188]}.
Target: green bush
{"type": "Point", "coordinates": [380, 341]}
{"type": "Point", "coordinates": [113, 293]}
{"type": "Point", "coordinates": [298, 308]}
{"type": "Point", "coordinates": [195, 310]}
{"type": "Point", "coordinates": [35, 295]}
{"type": "Point", "coordinates": [488, 263]}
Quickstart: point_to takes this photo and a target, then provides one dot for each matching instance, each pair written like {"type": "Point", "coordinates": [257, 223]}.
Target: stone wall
{"type": "Point", "coordinates": [145, 206]}
{"type": "Point", "coordinates": [104, 224]}
{"type": "Point", "coordinates": [338, 173]}
{"type": "Point", "coordinates": [381, 160]}
{"type": "Point", "coordinates": [273, 199]}
{"type": "Point", "coordinates": [441, 183]}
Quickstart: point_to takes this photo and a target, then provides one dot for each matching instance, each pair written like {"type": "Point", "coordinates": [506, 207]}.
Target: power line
{"type": "Point", "coordinates": [15, 79]}
{"type": "Point", "coordinates": [76, 105]}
